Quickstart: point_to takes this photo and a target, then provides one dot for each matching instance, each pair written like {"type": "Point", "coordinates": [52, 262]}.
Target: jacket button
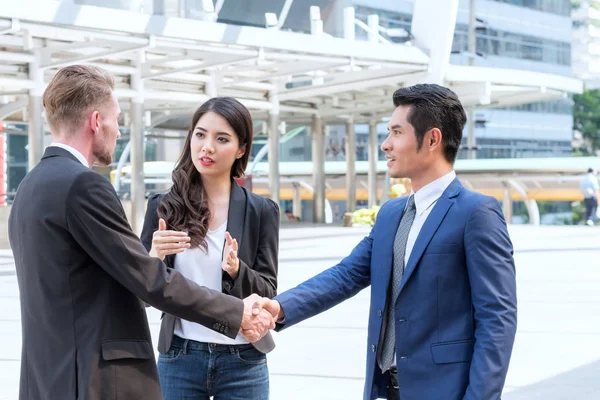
{"type": "Point", "coordinates": [379, 313]}
{"type": "Point", "coordinates": [401, 320]}
{"type": "Point", "coordinates": [373, 348]}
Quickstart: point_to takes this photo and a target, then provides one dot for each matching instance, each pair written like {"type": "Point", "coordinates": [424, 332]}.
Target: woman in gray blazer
{"type": "Point", "coordinates": [221, 236]}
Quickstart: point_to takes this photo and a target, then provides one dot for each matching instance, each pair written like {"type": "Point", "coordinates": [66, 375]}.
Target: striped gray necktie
{"type": "Point", "coordinates": [389, 345]}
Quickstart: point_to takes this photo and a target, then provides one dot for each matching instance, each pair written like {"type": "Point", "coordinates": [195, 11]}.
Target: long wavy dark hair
{"type": "Point", "coordinates": [185, 206]}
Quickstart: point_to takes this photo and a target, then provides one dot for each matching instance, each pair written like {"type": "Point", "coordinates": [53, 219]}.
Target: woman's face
{"type": "Point", "coordinates": [214, 146]}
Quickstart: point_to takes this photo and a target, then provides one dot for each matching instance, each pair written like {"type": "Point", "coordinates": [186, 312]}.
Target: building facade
{"type": "Point", "coordinates": [586, 42]}
{"type": "Point", "coordinates": [532, 35]}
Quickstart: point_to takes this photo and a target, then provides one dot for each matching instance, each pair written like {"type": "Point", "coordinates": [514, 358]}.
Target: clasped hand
{"type": "Point", "coordinates": [260, 315]}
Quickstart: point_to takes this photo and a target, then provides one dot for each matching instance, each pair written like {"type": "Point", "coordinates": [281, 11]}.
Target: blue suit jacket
{"type": "Point", "coordinates": [456, 313]}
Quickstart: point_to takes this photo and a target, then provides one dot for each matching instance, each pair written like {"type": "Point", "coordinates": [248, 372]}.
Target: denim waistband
{"type": "Point", "coordinates": [188, 344]}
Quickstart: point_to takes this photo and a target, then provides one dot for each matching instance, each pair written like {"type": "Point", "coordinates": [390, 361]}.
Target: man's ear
{"type": "Point", "coordinates": [434, 138]}
{"type": "Point", "coordinates": [95, 121]}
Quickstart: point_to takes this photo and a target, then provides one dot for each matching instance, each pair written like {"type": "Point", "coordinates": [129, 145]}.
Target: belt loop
{"type": "Point", "coordinates": [185, 346]}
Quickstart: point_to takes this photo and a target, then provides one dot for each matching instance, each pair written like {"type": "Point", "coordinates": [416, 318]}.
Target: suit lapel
{"type": "Point", "coordinates": [236, 216]}
{"type": "Point", "coordinates": [429, 228]}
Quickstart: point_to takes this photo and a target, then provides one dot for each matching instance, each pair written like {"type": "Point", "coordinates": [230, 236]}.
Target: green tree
{"type": "Point", "coordinates": [586, 122]}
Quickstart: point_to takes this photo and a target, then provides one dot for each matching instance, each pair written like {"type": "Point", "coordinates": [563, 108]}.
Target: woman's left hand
{"type": "Point", "coordinates": [231, 262]}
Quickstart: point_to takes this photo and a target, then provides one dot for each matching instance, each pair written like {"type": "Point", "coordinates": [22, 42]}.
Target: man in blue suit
{"type": "Point", "coordinates": [443, 311]}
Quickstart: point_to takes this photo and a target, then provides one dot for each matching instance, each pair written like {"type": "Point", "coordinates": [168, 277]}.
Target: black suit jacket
{"type": "Point", "coordinates": [81, 272]}
{"type": "Point", "coordinates": [254, 222]}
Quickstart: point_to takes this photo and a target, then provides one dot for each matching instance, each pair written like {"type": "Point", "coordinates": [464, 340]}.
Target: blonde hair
{"type": "Point", "coordinates": [71, 93]}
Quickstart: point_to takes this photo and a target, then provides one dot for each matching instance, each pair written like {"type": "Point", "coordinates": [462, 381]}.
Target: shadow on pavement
{"type": "Point", "coordinates": [581, 383]}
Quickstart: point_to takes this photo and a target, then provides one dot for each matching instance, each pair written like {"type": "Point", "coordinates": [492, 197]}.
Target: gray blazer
{"type": "Point", "coordinates": [254, 222]}
{"type": "Point", "coordinates": [81, 274]}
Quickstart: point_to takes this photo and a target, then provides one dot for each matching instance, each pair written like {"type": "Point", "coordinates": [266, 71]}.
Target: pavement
{"type": "Point", "coordinates": [556, 354]}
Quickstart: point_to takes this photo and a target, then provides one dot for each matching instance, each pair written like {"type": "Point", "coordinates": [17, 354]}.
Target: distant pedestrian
{"type": "Point", "coordinates": [591, 192]}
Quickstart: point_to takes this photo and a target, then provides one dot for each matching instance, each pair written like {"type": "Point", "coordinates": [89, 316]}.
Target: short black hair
{"type": "Point", "coordinates": [590, 170]}
{"type": "Point", "coordinates": [434, 106]}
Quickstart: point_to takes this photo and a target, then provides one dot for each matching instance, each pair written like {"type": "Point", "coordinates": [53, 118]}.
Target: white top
{"type": "Point", "coordinates": [425, 199]}
{"type": "Point", "coordinates": [204, 268]}
{"type": "Point", "coordinates": [589, 185]}
{"type": "Point", "coordinates": [71, 150]}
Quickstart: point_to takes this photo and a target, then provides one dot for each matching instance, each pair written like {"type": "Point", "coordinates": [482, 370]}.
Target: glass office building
{"type": "Point", "coordinates": [533, 35]}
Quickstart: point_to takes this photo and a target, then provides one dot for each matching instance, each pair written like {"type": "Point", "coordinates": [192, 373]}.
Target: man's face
{"type": "Point", "coordinates": [400, 146]}
{"type": "Point", "coordinates": [108, 131]}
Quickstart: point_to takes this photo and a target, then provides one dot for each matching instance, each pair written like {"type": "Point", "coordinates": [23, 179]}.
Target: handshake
{"type": "Point", "coordinates": [260, 315]}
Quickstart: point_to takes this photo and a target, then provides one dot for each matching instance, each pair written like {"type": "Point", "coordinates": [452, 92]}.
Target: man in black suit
{"type": "Point", "coordinates": [82, 271]}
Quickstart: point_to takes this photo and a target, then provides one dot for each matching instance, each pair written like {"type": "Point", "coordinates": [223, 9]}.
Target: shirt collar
{"type": "Point", "coordinates": [429, 193]}
{"type": "Point", "coordinates": [73, 151]}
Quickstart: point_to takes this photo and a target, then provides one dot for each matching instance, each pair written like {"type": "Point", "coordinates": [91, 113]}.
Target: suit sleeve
{"type": "Point", "coordinates": [492, 276]}
{"type": "Point", "coordinates": [97, 222]}
{"type": "Point", "coordinates": [330, 287]}
{"type": "Point", "coordinates": [261, 278]}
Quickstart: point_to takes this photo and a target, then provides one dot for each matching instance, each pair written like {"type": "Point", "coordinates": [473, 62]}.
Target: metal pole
{"type": "Point", "coordinates": [284, 13]}
{"type": "Point", "coordinates": [373, 153]}
{"type": "Point", "coordinates": [472, 42]}
{"type": "Point", "coordinates": [507, 204]}
{"type": "Point", "coordinates": [274, 138]}
{"type": "Point", "coordinates": [136, 111]}
{"type": "Point", "coordinates": [35, 109]}
{"type": "Point", "coordinates": [471, 141]}
{"type": "Point", "coordinates": [350, 166]}
{"type": "Point", "coordinates": [318, 159]}
{"type": "Point", "coordinates": [297, 201]}
{"type": "Point", "coordinates": [472, 48]}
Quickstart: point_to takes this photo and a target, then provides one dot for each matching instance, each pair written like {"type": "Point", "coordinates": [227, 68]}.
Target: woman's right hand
{"type": "Point", "coordinates": [166, 242]}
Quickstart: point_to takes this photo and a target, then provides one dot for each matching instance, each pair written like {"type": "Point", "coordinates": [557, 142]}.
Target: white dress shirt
{"type": "Point", "coordinates": [425, 199]}
{"type": "Point", "coordinates": [71, 150]}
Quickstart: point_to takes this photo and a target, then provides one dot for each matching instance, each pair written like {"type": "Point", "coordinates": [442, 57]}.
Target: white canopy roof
{"type": "Point", "coordinates": [180, 63]}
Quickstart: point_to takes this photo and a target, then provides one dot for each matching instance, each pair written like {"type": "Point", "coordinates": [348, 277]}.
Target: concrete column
{"type": "Point", "coordinates": [34, 113]}
{"type": "Point", "coordinates": [373, 152]}
{"type": "Point", "coordinates": [373, 23]}
{"type": "Point", "coordinates": [297, 201]}
{"type": "Point", "coordinates": [316, 24]}
{"type": "Point", "coordinates": [385, 192]}
{"type": "Point", "coordinates": [136, 114]}
{"type": "Point", "coordinates": [318, 160]}
{"type": "Point", "coordinates": [471, 140]}
{"type": "Point", "coordinates": [349, 29]}
{"type": "Point", "coordinates": [350, 166]}
{"type": "Point", "coordinates": [436, 42]}
{"type": "Point", "coordinates": [274, 138]}
{"type": "Point", "coordinates": [507, 204]}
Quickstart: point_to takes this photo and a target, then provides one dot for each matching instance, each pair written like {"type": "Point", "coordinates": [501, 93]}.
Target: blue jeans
{"type": "Point", "coordinates": [195, 371]}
